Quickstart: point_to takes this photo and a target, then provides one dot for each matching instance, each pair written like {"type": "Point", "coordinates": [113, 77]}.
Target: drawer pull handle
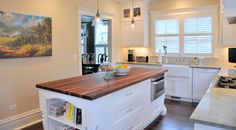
{"type": "Point", "coordinates": [129, 94]}
{"type": "Point", "coordinates": [128, 111]}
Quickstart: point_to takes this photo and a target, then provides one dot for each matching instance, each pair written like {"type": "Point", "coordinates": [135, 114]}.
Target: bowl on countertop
{"type": "Point", "coordinates": [122, 71]}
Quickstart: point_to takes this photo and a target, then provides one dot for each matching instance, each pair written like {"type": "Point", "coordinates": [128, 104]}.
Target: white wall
{"type": "Point", "coordinates": [19, 76]}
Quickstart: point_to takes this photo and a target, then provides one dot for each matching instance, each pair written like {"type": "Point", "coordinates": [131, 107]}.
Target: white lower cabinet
{"type": "Point", "coordinates": [128, 109]}
{"type": "Point", "coordinates": [202, 78]}
{"type": "Point", "coordinates": [179, 87]}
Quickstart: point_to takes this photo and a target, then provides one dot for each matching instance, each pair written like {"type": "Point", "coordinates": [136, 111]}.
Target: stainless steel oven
{"type": "Point", "coordinates": [157, 86]}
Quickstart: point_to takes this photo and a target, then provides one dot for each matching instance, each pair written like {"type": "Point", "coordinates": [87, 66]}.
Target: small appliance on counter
{"type": "Point", "coordinates": [131, 56]}
{"type": "Point", "coordinates": [141, 58]}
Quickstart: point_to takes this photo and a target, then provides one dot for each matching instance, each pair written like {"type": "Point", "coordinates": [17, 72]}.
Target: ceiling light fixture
{"type": "Point", "coordinates": [132, 21]}
{"type": "Point", "coordinates": [98, 15]}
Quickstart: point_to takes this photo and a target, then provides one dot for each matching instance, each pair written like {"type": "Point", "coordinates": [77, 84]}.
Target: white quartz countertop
{"type": "Point", "coordinates": [217, 107]}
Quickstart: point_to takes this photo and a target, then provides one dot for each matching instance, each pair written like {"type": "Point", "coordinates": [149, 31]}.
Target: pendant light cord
{"type": "Point", "coordinates": [133, 9]}
{"type": "Point", "coordinates": [98, 5]}
{"type": "Point", "coordinates": [132, 21]}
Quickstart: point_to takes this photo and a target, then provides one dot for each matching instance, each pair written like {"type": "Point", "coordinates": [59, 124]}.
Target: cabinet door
{"type": "Point", "coordinates": [182, 87]}
{"type": "Point", "coordinates": [132, 37]}
{"type": "Point", "coordinates": [138, 34]}
{"type": "Point", "coordinates": [126, 33]}
{"type": "Point", "coordinates": [169, 86]}
{"type": "Point", "coordinates": [228, 32]}
{"type": "Point", "coordinates": [201, 81]}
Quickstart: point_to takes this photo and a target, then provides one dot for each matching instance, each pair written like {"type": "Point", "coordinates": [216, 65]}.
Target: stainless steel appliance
{"type": "Point", "coordinates": [131, 55]}
{"type": "Point", "coordinates": [157, 87]}
{"type": "Point", "coordinates": [226, 82]}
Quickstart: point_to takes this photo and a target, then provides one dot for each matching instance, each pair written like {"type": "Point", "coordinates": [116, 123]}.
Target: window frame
{"type": "Point", "coordinates": [182, 14]}
{"type": "Point", "coordinates": [167, 35]}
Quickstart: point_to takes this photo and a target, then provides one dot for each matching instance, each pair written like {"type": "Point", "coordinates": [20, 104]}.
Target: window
{"type": "Point", "coordinates": [190, 32]}
{"type": "Point", "coordinates": [167, 33]}
{"type": "Point", "coordinates": [198, 35]}
{"type": "Point", "coordinates": [101, 39]}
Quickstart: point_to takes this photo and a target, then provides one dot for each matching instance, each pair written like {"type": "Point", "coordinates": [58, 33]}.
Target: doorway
{"type": "Point", "coordinates": [95, 43]}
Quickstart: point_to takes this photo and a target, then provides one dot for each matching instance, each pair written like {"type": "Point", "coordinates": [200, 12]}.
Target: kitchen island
{"type": "Point", "coordinates": [122, 103]}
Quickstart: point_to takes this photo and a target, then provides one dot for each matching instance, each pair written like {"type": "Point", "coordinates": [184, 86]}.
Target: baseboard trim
{"type": "Point", "coordinates": [27, 125]}
{"type": "Point", "coordinates": [21, 120]}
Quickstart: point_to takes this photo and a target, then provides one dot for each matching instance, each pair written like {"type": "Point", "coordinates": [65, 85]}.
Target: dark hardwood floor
{"type": "Point", "coordinates": [176, 119]}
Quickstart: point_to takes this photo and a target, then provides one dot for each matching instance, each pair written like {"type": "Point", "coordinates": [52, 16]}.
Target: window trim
{"type": "Point", "coordinates": [181, 14]}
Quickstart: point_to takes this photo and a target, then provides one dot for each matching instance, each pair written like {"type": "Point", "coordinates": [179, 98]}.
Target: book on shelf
{"type": "Point", "coordinates": [72, 113]}
{"type": "Point", "coordinates": [68, 111]}
{"type": "Point", "coordinates": [56, 109]}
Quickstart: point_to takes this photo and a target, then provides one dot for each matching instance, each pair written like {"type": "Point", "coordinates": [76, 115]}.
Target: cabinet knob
{"type": "Point", "coordinates": [129, 110]}
{"type": "Point", "coordinates": [129, 94]}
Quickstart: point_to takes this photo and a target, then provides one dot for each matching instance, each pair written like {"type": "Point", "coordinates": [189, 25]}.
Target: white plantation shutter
{"type": "Point", "coordinates": [167, 33]}
{"type": "Point", "coordinates": [198, 35]}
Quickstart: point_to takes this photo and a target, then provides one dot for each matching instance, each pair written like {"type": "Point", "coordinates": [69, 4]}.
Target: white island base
{"type": "Point", "coordinates": [127, 109]}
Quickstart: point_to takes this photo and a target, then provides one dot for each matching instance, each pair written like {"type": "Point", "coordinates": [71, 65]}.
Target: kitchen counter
{"type": "Point", "coordinates": [217, 107]}
{"type": "Point", "coordinates": [160, 64]}
{"type": "Point", "coordinates": [93, 86]}
{"type": "Point", "coordinates": [205, 66]}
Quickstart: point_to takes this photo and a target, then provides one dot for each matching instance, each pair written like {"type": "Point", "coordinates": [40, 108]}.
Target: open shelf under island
{"type": "Point", "coordinates": [89, 102]}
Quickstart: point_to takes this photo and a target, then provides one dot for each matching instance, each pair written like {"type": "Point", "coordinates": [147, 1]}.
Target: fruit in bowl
{"type": "Point", "coordinates": [122, 69]}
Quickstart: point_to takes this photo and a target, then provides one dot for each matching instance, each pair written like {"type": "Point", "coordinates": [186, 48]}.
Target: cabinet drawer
{"type": "Point", "coordinates": [132, 121]}
{"type": "Point", "coordinates": [128, 93]}
{"type": "Point", "coordinates": [125, 109]}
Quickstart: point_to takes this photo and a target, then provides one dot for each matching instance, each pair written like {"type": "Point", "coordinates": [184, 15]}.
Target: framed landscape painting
{"type": "Point", "coordinates": [25, 35]}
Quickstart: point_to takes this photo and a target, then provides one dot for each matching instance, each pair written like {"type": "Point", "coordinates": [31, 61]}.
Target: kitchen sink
{"type": "Point", "coordinates": [178, 70]}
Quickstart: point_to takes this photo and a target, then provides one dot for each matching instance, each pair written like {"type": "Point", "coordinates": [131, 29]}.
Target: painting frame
{"type": "Point", "coordinates": [25, 35]}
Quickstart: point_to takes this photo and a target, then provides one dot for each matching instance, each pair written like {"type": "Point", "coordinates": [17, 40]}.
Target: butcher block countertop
{"type": "Point", "coordinates": [93, 86]}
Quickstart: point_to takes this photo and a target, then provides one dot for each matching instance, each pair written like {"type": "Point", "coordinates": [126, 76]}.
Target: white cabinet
{"type": "Point", "coordinates": [139, 35]}
{"type": "Point", "coordinates": [179, 87]}
{"type": "Point", "coordinates": [127, 109]}
{"type": "Point", "coordinates": [202, 78]}
{"type": "Point", "coordinates": [228, 30]}
{"type": "Point", "coordinates": [179, 81]}
{"type": "Point", "coordinates": [133, 37]}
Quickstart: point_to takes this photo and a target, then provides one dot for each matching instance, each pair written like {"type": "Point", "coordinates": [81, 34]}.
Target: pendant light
{"type": "Point", "coordinates": [98, 16]}
{"type": "Point", "coordinates": [132, 21]}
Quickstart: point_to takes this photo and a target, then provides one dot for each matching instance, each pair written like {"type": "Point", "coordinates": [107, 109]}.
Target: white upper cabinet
{"type": "Point", "coordinates": [137, 36]}
{"type": "Point", "coordinates": [228, 22]}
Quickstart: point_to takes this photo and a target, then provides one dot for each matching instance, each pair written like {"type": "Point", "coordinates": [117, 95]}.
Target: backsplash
{"type": "Point", "coordinates": [205, 61]}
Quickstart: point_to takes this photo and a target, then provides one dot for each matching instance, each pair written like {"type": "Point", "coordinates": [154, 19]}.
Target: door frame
{"type": "Point", "coordinates": [92, 12]}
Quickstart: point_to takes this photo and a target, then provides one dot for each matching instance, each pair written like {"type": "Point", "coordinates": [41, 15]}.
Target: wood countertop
{"type": "Point", "coordinates": [93, 86]}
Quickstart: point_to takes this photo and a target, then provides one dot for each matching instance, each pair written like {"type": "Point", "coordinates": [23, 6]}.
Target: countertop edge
{"type": "Point", "coordinates": [211, 86]}
{"type": "Point", "coordinates": [102, 94]}
{"type": "Point", "coordinates": [212, 124]}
